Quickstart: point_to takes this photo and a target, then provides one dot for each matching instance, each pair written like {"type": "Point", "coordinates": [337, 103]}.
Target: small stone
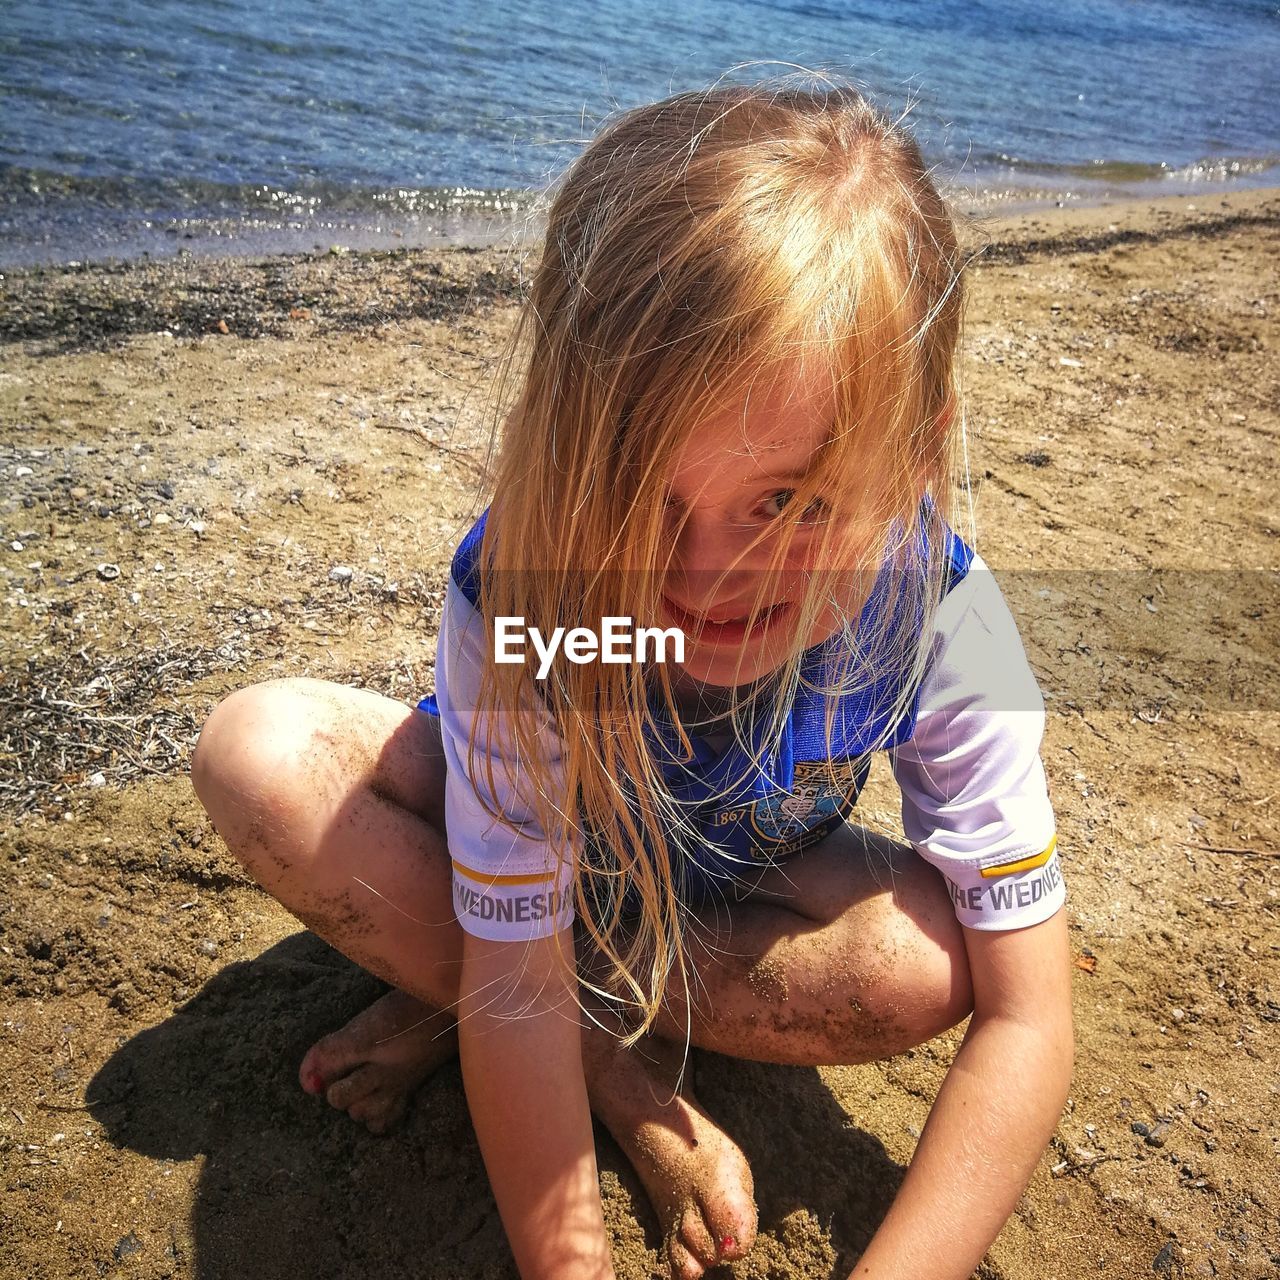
{"type": "Point", "coordinates": [1140, 1129]}
{"type": "Point", "coordinates": [1159, 1135]}
{"type": "Point", "coordinates": [96, 780]}
{"type": "Point", "coordinates": [79, 491]}
{"type": "Point", "coordinates": [125, 1246]}
{"type": "Point", "coordinates": [161, 517]}
{"type": "Point", "coordinates": [341, 573]}
{"type": "Point", "coordinates": [1177, 1014]}
{"type": "Point", "coordinates": [23, 471]}
{"type": "Point", "coordinates": [15, 545]}
{"type": "Point", "coordinates": [108, 572]}
{"type": "Point", "coordinates": [196, 527]}
{"type": "Point", "coordinates": [1168, 1262]}
{"type": "Point", "coordinates": [209, 948]}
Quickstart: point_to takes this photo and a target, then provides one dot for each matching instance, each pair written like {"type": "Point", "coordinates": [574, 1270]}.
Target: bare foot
{"type": "Point", "coordinates": [371, 1067]}
{"type": "Point", "coordinates": [696, 1177]}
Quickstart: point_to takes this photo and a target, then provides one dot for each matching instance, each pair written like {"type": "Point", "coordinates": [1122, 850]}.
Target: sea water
{"type": "Point", "coordinates": [148, 125]}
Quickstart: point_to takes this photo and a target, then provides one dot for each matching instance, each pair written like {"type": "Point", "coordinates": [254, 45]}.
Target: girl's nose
{"type": "Point", "coordinates": [711, 560]}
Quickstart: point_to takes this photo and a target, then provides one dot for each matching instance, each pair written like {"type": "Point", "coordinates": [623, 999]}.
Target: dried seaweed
{"type": "Point", "coordinates": [88, 719]}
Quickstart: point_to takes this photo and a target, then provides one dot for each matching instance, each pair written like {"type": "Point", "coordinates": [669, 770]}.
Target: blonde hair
{"type": "Point", "coordinates": [699, 244]}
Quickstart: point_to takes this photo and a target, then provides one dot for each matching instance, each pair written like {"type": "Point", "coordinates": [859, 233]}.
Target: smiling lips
{"type": "Point", "coordinates": [725, 629]}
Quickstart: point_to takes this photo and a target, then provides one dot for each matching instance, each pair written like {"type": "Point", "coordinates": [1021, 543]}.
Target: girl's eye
{"type": "Point", "coordinates": [775, 505]}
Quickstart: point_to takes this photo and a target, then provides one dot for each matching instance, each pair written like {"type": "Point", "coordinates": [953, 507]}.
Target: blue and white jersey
{"type": "Point", "coordinates": [964, 751]}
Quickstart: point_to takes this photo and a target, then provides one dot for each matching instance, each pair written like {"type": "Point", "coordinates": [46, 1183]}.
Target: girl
{"type": "Point", "coordinates": [736, 418]}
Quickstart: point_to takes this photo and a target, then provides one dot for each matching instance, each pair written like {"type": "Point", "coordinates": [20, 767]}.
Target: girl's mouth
{"type": "Point", "coordinates": [722, 627]}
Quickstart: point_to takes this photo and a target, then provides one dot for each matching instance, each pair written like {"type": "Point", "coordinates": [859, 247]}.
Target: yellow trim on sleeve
{"type": "Point", "coordinates": [483, 877]}
{"type": "Point", "coordinates": [1023, 864]}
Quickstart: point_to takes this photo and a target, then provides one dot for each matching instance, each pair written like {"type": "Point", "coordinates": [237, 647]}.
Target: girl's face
{"type": "Point", "coordinates": [729, 510]}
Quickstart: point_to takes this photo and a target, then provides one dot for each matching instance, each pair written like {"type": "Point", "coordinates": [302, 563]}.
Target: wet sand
{"type": "Point", "coordinates": [216, 473]}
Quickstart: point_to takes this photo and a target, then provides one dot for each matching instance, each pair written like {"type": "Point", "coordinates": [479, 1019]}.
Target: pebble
{"type": "Point", "coordinates": [108, 572]}
{"type": "Point", "coordinates": [79, 491]}
{"type": "Point", "coordinates": [209, 947]}
{"type": "Point", "coordinates": [126, 1245]}
{"type": "Point", "coordinates": [161, 518]}
{"type": "Point", "coordinates": [1168, 1261]}
{"type": "Point", "coordinates": [341, 573]}
{"type": "Point", "coordinates": [15, 545]}
{"type": "Point", "coordinates": [96, 780]}
{"type": "Point", "coordinates": [1158, 1135]}
{"type": "Point", "coordinates": [23, 471]}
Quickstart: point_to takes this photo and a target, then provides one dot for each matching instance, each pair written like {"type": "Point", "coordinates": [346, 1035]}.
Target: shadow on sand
{"type": "Point", "coordinates": [291, 1188]}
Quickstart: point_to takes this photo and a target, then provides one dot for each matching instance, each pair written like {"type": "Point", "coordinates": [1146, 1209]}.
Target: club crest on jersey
{"type": "Point", "coordinates": [815, 797]}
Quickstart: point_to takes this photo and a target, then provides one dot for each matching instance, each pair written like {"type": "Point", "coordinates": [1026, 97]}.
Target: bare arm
{"type": "Point", "coordinates": [520, 1042]}
{"type": "Point", "coordinates": [994, 1114]}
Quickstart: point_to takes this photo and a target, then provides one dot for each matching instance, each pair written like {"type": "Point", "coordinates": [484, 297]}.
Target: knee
{"type": "Point", "coordinates": [249, 753]}
{"type": "Point", "coordinates": [926, 988]}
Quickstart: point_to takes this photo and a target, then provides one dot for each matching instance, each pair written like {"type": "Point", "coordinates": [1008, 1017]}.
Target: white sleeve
{"type": "Point", "coordinates": [975, 803]}
{"type": "Point", "coordinates": [508, 885]}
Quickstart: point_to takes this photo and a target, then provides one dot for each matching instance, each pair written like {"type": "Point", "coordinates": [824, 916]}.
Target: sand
{"type": "Point", "coordinates": [186, 510]}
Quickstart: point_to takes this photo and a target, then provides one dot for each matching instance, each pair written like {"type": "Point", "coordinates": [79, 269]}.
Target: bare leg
{"type": "Point", "coordinates": [847, 953]}
{"type": "Point", "coordinates": [695, 1175]}
{"type": "Point", "coordinates": [333, 798]}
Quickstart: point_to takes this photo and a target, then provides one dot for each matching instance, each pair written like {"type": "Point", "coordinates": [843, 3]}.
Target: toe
{"type": "Point", "coordinates": [695, 1239]}
{"type": "Point", "coordinates": [376, 1112]}
{"type": "Point", "coordinates": [379, 1114]}
{"type": "Point", "coordinates": [733, 1227]}
{"type": "Point", "coordinates": [350, 1089]}
{"type": "Point", "coordinates": [684, 1266]}
{"type": "Point", "coordinates": [323, 1063]}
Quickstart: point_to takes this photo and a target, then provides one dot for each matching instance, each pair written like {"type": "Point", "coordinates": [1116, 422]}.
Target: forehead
{"type": "Point", "coordinates": [770, 427]}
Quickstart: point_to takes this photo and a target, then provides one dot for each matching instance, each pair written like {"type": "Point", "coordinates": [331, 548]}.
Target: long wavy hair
{"type": "Point", "coordinates": [700, 246]}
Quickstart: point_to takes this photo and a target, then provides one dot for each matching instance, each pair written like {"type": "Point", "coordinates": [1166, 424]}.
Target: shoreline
{"type": "Point", "coordinates": [91, 305]}
{"type": "Point", "coordinates": [61, 232]}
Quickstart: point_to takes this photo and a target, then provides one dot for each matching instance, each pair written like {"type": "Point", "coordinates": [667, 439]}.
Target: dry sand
{"type": "Point", "coordinates": [176, 501]}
